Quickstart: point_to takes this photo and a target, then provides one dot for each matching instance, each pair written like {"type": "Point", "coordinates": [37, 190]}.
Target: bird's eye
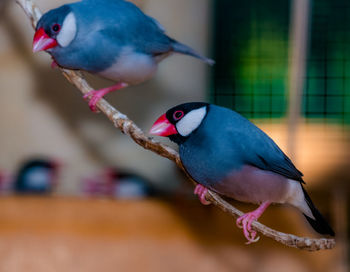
{"type": "Point", "coordinates": [56, 27]}
{"type": "Point", "coordinates": [178, 115]}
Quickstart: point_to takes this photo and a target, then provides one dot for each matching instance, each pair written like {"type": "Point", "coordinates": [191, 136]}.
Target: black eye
{"type": "Point", "coordinates": [56, 27]}
{"type": "Point", "coordinates": [178, 115]}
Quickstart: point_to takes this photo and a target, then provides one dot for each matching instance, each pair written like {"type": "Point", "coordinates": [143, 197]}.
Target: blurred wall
{"type": "Point", "coordinates": [41, 113]}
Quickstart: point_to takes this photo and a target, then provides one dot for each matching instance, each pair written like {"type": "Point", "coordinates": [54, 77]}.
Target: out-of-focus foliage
{"type": "Point", "coordinates": [251, 49]}
{"type": "Point", "coordinates": [327, 90]}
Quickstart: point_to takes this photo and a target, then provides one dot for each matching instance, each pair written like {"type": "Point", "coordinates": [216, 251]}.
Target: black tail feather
{"type": "Point", "coordinates": [319, 224]}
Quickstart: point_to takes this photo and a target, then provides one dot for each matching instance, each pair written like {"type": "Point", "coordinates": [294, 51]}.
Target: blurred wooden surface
{"type": "Point", "coordinates": [71, 234]}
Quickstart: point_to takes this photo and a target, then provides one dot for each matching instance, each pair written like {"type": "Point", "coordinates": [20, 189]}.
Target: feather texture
{"type": "Point", "coordinates": [105, 28]}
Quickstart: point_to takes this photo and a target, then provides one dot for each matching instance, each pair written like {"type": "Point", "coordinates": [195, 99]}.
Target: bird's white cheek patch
{"type": "Point", "coordinates": [191, 121]}
{"type": "Point", "coordinates": [68, 30]}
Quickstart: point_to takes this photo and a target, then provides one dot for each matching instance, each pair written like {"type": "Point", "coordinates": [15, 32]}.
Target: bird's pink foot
{"type": "Point", "coordinates": [96, 95]}
{"type": "Point", "coordinates": [54, 64]}
{"type": "Point", "coordinates": [201, 191]}
{"type": "Point", "coordinates": [245, 222]}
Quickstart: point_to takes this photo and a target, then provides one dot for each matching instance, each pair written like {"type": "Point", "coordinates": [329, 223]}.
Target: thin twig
{"type": "Point", "coordinates": [128, 127]}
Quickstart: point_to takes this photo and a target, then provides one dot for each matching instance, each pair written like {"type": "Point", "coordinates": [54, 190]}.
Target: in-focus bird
{"type": "Point", "coordinates": [120, 185]}
{"type": "Point", "coordinates": [110, 38]}
{"type": "Point", "coordinates": [226, 153]}
{"type": "Point", "coordinates": [37, 176]}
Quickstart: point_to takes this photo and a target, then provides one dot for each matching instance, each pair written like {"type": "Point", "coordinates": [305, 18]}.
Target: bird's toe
{"type": "Point", "coordinates": [252, 239]}
{"type": "Point", "coordinates": [89, 94]}
{"type": "Point", "coordinates": [203, 200]}
{"type": "Point", "coordinates": [239, 221]}
{"type": "Point", "coordinates": [93, 106]}
{"type": "Point", "coordinates": [201, 191]}
{"type": "Point", "coordinates": [245, 222]}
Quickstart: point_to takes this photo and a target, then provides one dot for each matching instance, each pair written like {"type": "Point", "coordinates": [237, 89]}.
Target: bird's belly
{"type": "Point", "coordinates": [253, 185]}
{"type": "Point", "coordinates": [131, 68]}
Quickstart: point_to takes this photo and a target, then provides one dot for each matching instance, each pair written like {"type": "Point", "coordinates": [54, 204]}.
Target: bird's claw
{"type": "Point", "coordinates": [94, 98]}
{"type": "Point", "coordinates": [201, 191]}
{"type": "Point", "coordinates": [88, 95]}
{"type": "Point", "coordinates": [97, 95]}
{"type": "Point", "coordinates": [245, 222]}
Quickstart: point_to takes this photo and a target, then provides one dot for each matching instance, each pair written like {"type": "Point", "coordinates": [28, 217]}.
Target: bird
{"type": "Point", "coordinates": [119, 184]}
{"type": "Point", "coordinates": [37, 176]}
{"type": "Point", "coordinates": [110, 38]}
{"type": "Point", "coordinates": [224, 152]}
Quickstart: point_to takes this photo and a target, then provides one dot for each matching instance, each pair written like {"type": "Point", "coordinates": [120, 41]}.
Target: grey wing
{"type": "Point", "coordinates": [277, 162]}
{"type": "Point", "coordinates": [131, 27]}
{"type": "Point", "coordinates": [259, 150]}
{"type": "Point", "coordinates": [153, 44]}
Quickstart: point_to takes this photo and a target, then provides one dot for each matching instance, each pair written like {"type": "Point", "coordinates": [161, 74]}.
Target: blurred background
{"type": "Point", "coordinates": [76, 194]}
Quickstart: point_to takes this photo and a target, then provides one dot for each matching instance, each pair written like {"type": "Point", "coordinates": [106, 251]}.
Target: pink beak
{"type": "Point", "coordinates": [162, 127]}
{"type": "Point", "coordinates": [42, 41]}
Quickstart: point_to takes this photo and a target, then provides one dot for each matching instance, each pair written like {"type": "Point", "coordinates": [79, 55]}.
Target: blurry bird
{"type": "Point", "coordinates": [119, 184]}
{"type": "Point", "coordinates": [111, 38]}
{"type": "Point", "coordinates": [223, 151]}
{"type": "Point", "coordinates": [37, 176]}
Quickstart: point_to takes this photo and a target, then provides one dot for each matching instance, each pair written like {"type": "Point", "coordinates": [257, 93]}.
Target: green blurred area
{"type": "Point", "coordinates": [326, 94]}
{"type": "Point", "coordinates": [251, 49]}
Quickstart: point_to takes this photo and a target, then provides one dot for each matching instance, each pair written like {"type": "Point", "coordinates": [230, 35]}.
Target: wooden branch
{"type": "Point", "coordinates": [128, 127]}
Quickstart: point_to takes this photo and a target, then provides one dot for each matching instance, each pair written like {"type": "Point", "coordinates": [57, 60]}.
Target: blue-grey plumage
{"type": "Point", "coordinates": [113, 38]}
{"type": "Point", "coordinates": [240, 141]}
{"type": "Point", "coordinates": [225, 152]}
{"type": "Point", "coordinates": [37, 176]}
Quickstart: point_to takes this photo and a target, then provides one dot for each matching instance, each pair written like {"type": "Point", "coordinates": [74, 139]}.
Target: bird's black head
{"type": "Point", "coordinates": [33, 173]}
{"type": "Point", "coordinates": [43, 163]}
{"type": "Point", "coordinates": [181, 121]}
{"type": "Point", "coordinates": [56, 28]}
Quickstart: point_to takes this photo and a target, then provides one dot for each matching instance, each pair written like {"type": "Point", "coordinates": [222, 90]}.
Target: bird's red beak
{"type": "Point", "coordinates": [162, 127]}
{"type": "Point", "coordinates": [42, 41]}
